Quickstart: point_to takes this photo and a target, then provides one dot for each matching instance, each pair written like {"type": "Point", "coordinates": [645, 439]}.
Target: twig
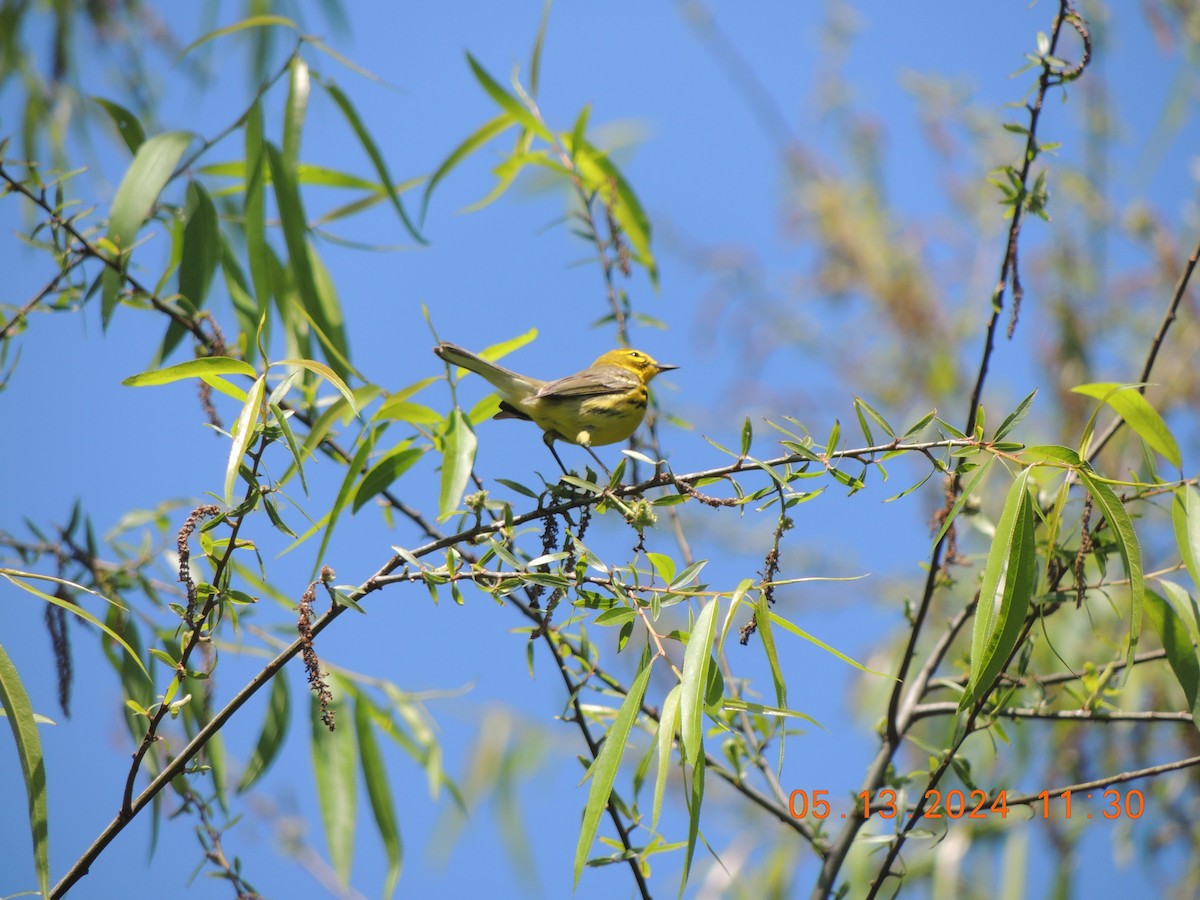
{"type": "Point", "coordinates": [926, 710]}
{"type": "Point", "coordinates": [1155, 345]}
{"type": "Point", "coordinates": [1029, 799]}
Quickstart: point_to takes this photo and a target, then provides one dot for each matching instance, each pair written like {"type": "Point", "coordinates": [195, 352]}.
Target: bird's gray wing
{"type": "Point", "coordinates": [591, 382]}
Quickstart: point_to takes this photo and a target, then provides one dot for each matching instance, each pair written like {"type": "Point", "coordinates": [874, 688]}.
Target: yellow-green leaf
{"type": "Point", "coordinates": [1132, 406]}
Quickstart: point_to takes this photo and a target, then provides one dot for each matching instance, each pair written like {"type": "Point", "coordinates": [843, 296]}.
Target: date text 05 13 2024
{"type": "Point", "coordinates": [956, 804]}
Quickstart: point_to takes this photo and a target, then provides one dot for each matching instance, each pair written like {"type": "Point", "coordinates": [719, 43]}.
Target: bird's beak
{"type": "Point", "coordinates": [664, 368]}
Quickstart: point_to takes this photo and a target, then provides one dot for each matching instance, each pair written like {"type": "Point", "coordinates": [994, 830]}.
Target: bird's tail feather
{"type": "Point", "coordinates": [512, 386]}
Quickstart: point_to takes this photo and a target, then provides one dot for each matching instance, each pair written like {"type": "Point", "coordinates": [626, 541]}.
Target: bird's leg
{"type": "Point", "coordinates": [597, 459]}
{"type": "Point", "coordinates": [548, 437]}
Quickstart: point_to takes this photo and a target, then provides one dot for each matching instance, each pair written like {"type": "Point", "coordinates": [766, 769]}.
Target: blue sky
{"type": "Point", "coordinates": [711, 179]}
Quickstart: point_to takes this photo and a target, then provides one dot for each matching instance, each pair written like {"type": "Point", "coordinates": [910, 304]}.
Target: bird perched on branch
{"type": "Point", "coordinates": [603, 404]}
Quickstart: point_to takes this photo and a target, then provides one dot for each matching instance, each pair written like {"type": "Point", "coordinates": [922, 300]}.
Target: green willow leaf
{"type": "Point", "coordinates": [201, 246]}
{"type": "Point", "coordinates": [295, 112]}
{"type": "Point", "coordinates": [458, 460]}
{"type": "Point", "coordinates": [202, 369]}
{"type": "Point", "coordinates": [783, 623]}
{"type": "Point", "coordinates": [861, 406]}
{"type": "Point", "coordinates": [19, 712]}
{"type": "Point", "coordinates": [603, 771]}
{"type": "Point", "coordinates": [1177, 643]}
{"type": "Point", "coordinates": [967, 491]}
{"type": "Point", "coordinates": [1008, 581]}
{"type": "Point", "coordinates": [508, 102]}
{"type": "Point", "coordinates": [697, 658]}
{"type": "Point", "coordinates": [251, 22]}
{"type": "Point", "coordinates": [271, 737]}
{"type": "Point", "coordinates": [127, 123]}
{"type": "Point", "coordinates": [1131, 554]}
{"type": "Point", "coordinates": [345, 490]}
{"type": "Point", "coordinates": [762, 618]}
{"type": "Point", "coordinates": [1185, 608]}
{"type": "Point", "coordinates": [1133, 407]}
{"type": "Point", "coordinates": [385, 472]}
{"type": "Point", "coordinates": [147, 175]}
{"type": "Point", "coordinates": [379, 791]}
{"type": "Point", "coordinates": [319, 303]}
{"type": "Point", "coordinates": [243, 434]}
{"type": "Point", "coordinates": [335, 766]}
{"type": "Point", "coordinates": [695, 801]}
{"type": "Point", "coordinates": [668, 725]}
{"type": "Point", "coordinates": [194, 368]}
{"type": "Point", "coordinates": [131, 659]}
{"type": "Point", "coordinates": [1013, 419]}
{"type": "Point", "coordinates": [1050, 453]}
{"type": "Point", "coordinates": [599, 174]}
{"type": "Point", "coordinates": [663, 565]}
{"type": "Point", "coordinates": [1185, 519]}
{"type": "Point", "coordinates": [254, 210]}
{"type": "Point", "coordinates": [325, 372]}
{"type": "Point", "coordinates": [377, 160]}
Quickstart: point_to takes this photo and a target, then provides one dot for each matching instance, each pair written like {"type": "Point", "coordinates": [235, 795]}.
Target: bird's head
{"type": "Point", "coordinates": [641, 364]}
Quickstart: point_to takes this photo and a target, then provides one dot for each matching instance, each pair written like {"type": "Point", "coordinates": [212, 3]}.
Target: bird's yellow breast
{"type": "Point", "coordinates": [591, 420]}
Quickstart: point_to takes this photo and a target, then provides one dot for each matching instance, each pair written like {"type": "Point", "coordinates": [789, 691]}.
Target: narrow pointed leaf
{"type": "Point", "coordinates": [668, 725]}
{"type": "Point", "coordinates": [963, 496]}
{"type": "Point", "coordinates": [1131, 554]}
{"type": "Point", "coordinates": [695, 801]}
{"type": "Point", "coordinates": [385, 472]}
{"type": "Point", "coordinates": [193, 368]}
{"type": "Point", "coordinates": [19, 712]}
{"type": "Point", "coordinates": [18, 578]}
{"type": "Point", "coordinates": [147, 175]}
{"type": "Point", "coordinates": [474, 141]}
{"type": "Point", "coordinates": [345, 491]}
{"type": "Point", "coordinates": [325, 372]}
{"type": "Point", "coordinates": [603, 771]}
{"type": "Point", "coordinates": [697, 658]}
{"type": "Point", "coordinates": [379, 792]}
{"type": "Point", "coordinates": [777, 619]}
{"type": "Point", "coordinates": [1008, 581]}
{"type": "Point", "coordinates": [377, 160]}
{"type": "Point", "coordinates": [243, 434]}
{"type": "Point", "coordinates": [335, 765]}
{"type": "Point", "coordinates": [1138, 414]}
{"type": "Point", "coordinates": [762, 617]}
{"type": "Point", "coordinates": [272, 735]}
{"type": "Point", "coordinates": [251, 22]}
{"type": "Point", "coordinates": [1185, 518]}
{"type": "Point", "coordinates": [1013, 419]}
{"type": "Point", "coordinates": [457, 462]}
{"type": "Point", "coordinates": [1177, 642]}
{"type": "Point", "coordinates": [508, 102]}
{"type": "Point", "coordinates": [127, 123]}
{"type": "Point", "coordinates": [255, 225]}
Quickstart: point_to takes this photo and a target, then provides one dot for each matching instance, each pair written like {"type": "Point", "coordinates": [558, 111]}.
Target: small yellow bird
{"type": "Point", "coordinates": [603, 404]}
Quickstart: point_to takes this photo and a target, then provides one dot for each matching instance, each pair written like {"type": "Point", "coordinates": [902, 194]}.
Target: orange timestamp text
{"type": "Point", "coordinates": [958, 804]}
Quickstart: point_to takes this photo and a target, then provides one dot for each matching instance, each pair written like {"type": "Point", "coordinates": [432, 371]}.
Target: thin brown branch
{"type": "Point", "coordinates": [86, 247]}
{"type": "Point", "coordinates": [49, 288]}
{"type": "Point", "coordinates": [926, 710]}
{"type": "Point", "coordinates": [1156, 344]}
{"type": "Point", "coordinates": [1122, 778]}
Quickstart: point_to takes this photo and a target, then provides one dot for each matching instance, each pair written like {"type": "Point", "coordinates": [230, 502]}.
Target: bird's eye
{"type": "Point", "coordinates": [633, 354]}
